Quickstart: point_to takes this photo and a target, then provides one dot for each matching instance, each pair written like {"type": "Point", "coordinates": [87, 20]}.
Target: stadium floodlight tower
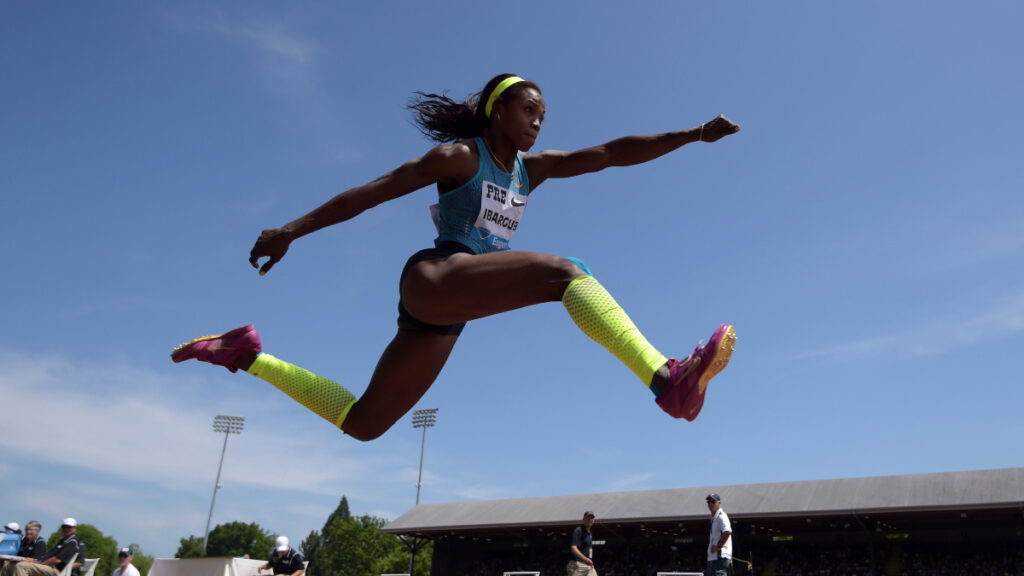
{"type": "Point", "coordinates": [424, 419]}
{"type": "Point", "coordinates": [228, 425]}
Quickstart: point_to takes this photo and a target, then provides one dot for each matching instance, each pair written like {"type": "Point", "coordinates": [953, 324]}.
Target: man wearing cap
{"type": "Point", "coordinates": [55, 560]}
{"type": "Point", "coordinates": [582, 563]}
{"type": "Point", "coordinates": [10, 538]}
{"type": "Point", "coordinates": [124, 561]}
{"type": "Point", "coordinates": [720, 545]}
{"type": "Point", "coordinates": [284, 560]}
{"type": "Point", "coordinates": [34, 545]}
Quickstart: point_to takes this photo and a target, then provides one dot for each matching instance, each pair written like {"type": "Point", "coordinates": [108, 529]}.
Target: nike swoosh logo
{"type": "Point", "coordinates": [216, 348]}
{"type": "Point", "coordinates": [517, 204]}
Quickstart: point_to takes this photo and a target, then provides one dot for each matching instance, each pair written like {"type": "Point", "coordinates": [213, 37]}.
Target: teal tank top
{"type": "Point", "coordinates": [483, 213]}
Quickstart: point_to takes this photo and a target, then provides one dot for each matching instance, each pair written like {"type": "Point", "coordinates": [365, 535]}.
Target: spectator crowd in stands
{"type": "Point", "coordinates": [33, 558]}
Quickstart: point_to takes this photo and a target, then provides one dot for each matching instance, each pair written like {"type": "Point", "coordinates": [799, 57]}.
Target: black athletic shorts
{"type": "Point", "coordinates": [444, 250]}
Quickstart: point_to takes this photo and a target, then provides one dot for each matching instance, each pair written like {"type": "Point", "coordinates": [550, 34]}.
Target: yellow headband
{"type": "Point", "coordinates": [501, 87]}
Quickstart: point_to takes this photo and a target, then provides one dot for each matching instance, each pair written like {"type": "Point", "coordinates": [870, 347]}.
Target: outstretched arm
{"type": "Point", "coordinates": [442, 163]}
{"type": "Point", "coordinates": [625, 151]}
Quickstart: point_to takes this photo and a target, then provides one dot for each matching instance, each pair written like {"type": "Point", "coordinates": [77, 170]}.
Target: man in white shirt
{"type": "Point", "coordinates": [720, 544]}
{"type": "Point", "coordinates": [125, 568]}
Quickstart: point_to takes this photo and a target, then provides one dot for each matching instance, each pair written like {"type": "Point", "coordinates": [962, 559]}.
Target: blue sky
{"type": "Point", "coordinates": [864, 232]}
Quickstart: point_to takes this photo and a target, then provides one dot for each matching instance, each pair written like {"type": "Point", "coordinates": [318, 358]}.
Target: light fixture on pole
{"type": "Point", "coordinates": [424, 419]}
{"type": "Point", "coordinates": [228, 425]}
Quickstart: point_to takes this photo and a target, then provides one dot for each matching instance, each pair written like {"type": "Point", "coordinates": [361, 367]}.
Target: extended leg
{"type": "Point", "coordinates": [678, 386]}
{"type": "Point", "coordinates": [407, 368]}
{"type": "Point", "coordinates": [464, 287]}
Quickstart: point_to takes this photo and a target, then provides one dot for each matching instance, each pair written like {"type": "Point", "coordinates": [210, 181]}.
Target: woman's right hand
{"type": "Point", "coordinates": [273, 244]}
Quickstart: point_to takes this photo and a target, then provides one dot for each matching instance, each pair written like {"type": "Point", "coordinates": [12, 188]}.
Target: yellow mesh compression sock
{"type": "Point", "coordinates": [325, 397]}
{"type": "Point", "coordinates": [600, 317]}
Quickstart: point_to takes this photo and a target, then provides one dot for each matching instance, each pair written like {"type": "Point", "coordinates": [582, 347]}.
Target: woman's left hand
{"type": "Point", "coordinates": [717, 129]}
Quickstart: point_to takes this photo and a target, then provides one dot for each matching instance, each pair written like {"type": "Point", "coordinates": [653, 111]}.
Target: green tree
{"type": "Point", "coordinates": [355, 546]}
{"type": "Point", "coordinates": [96, 546]}
{"type": "Point", "coordinates": [316, 549]}
{"type": "Point", "coordinates": [191, 547]}
{"type": "Point", "coordinates": [238, 539]}
{"type": "Point", "coordinates": [310, 545]}
{"type": "Point", "coordinates": [231, 540]}
{"type": "Point", "coordinates": [364, 544]}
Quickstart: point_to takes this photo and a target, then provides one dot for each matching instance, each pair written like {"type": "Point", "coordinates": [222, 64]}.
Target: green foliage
{"type": "Point", "coordinates": [355, 546]}
{"type": "Point", "coordinates": [191, 547]}
{"type": "Point", "coordinates": [397, 562]}
{"type": "Point", "coordinates": [346, 546]}
{"type": "Point", "coordinates": [236, 539]}
{"type": "Point", "coordinates": [96, 546]}
{"type": "Point", "coordinates": [340, 513]}
{"type": "Point", "coordinates": [310, 544]}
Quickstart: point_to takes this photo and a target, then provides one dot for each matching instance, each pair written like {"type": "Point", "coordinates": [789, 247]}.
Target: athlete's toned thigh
{"type": "Point", "coordinates": [407, 318]}
{"type": "Point", "coordinates": [463, 287]}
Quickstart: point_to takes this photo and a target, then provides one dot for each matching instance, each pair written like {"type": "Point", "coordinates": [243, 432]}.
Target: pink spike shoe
{"type": "Point", "coordinates": [222, 349]}
{"type": "Point", "coordinates": [689, 378]}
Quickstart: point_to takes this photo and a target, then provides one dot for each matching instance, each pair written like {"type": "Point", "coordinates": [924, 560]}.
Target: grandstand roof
{"type": "Point", "coordinates": [981, 489]}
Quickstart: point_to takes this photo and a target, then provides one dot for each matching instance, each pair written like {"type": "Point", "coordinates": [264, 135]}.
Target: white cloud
{"type": "Point", "coordinates": [632, 482]}
{"type": "Point", "coordinates": [118, 412]}
{"type": "Point", "coordinates": [935, 337]}
{"type": "Point", "coordinates": [984, 242]}
{"type": "Point", "coordinates": [132, 452]}
{"type": "Point", "coordinates": [283, 57]}
{"type": "Point", "coordinates": [267, 38]}
{"type": "Point", "coordinates": [270, 40]}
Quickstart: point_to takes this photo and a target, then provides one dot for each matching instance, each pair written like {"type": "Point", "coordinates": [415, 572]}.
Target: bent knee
{"type": "Point", "coordinates": [562, 271]}
{"type": "Point", "coordinates": [364, 423]}
{"type": "Point", "coordinates": [363, 433]}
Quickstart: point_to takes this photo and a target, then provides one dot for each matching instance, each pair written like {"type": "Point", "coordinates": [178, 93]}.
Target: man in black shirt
{"type": "Point", "coordinates": [284, 560]}
{"type": "Point", "coordinates": [581, 563]}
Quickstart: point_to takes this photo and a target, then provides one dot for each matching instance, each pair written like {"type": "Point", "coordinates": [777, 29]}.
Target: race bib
{"type": "Point", "coordinates": [501, 210]}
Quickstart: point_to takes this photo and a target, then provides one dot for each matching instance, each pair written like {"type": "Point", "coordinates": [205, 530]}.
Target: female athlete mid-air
{"type": "Point", "coordinates": [484, 177]}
